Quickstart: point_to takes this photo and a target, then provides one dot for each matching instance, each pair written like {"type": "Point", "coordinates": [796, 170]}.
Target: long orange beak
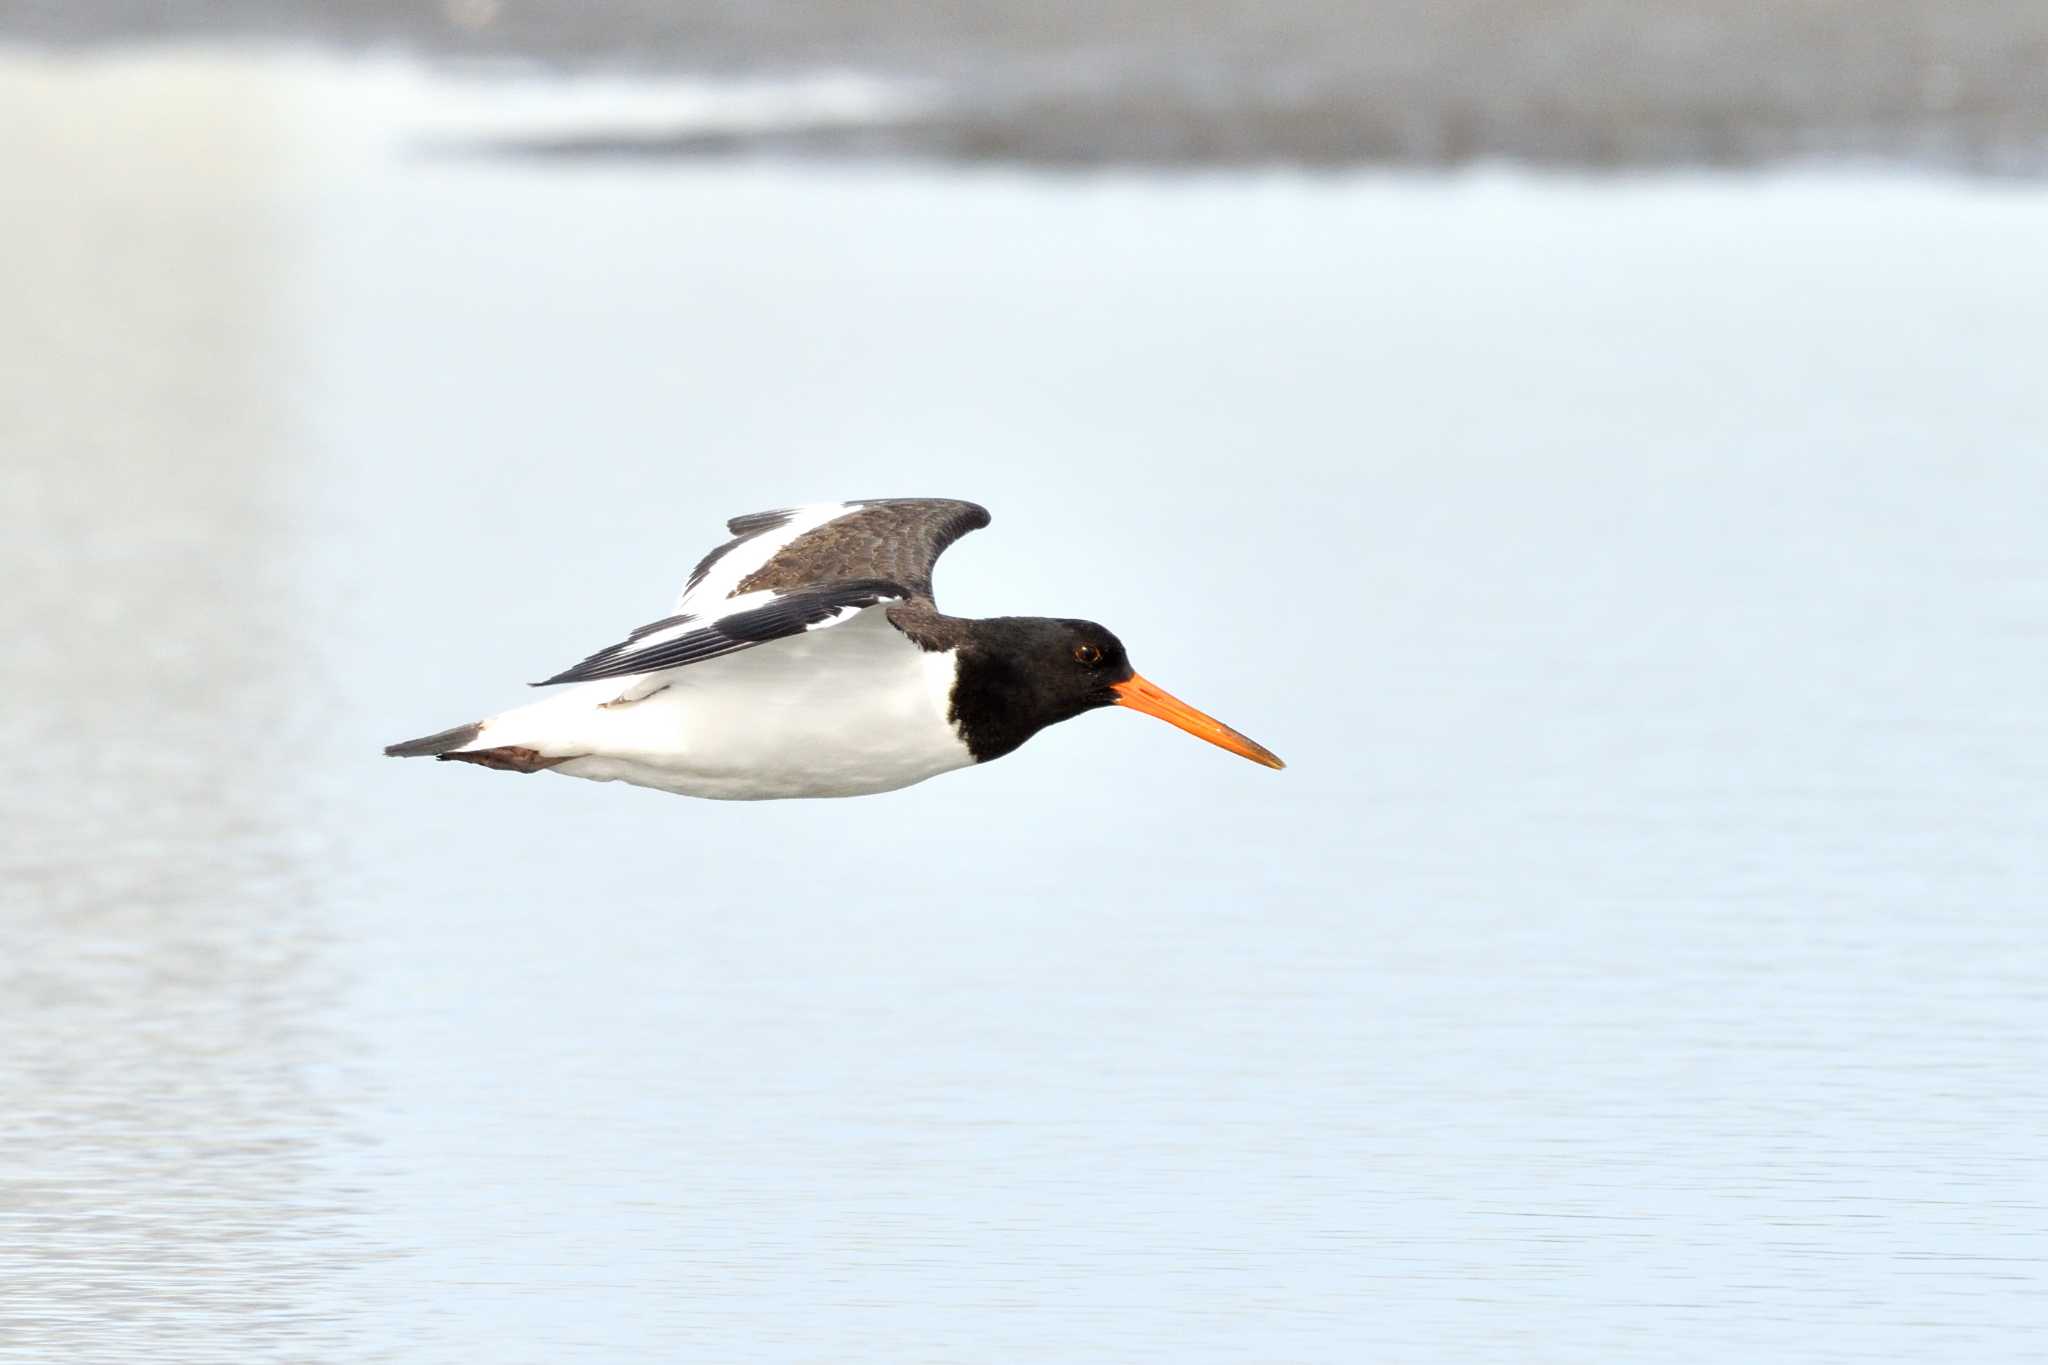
{"type": "Point", "coordinates": [1154, 700]}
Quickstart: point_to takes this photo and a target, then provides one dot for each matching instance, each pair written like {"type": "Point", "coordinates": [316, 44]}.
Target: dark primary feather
{"type": "Point", "coordinates": [753, 523]}
{"type": "Point", "coordinates": [619, 649]}
{"type": "Point", "coordinates": [790, 613]}
{"type": "Point", "coordinates": [898, 539]}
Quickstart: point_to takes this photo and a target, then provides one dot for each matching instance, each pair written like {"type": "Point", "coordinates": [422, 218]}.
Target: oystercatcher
{"type": "Point", "coordinates": [807, 658]}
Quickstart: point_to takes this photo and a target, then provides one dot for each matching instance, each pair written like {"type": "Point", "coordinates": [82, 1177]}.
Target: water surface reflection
{"type": "Point", "coordinates": [167, 1078]}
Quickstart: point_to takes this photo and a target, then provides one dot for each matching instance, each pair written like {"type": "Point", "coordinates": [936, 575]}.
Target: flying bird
{"type": "Point", "coordinates": [806, 657]}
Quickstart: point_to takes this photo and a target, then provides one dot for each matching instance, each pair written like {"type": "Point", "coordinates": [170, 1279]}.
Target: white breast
{"type": "Point", "coordinates": [855, 709]}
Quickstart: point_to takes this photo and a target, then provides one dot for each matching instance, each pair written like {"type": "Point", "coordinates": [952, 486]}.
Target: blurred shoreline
{"type": "Point", "coordinates": [1588, 84]}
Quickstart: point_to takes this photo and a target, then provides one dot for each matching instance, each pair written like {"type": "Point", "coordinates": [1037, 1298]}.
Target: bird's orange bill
{"type": "Point", "coordinates": [1154, 700]}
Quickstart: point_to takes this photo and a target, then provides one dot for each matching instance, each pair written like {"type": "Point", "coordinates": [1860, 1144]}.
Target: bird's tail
{"type": "Point", "coordinates": [442, 745]}
{"type": "Point", "coordinates": [520, 741]}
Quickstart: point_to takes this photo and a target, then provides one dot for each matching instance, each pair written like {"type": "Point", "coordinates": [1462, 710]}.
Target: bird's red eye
{"type": "Point", "coordinates": [1090, 655]}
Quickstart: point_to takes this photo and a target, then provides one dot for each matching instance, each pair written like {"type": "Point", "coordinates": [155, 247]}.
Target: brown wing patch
{"type": "Point", "coordinates": [897, 539]}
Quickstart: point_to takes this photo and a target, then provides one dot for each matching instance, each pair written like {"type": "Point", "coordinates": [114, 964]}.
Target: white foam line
{"type": "Point", "coordinates": [391, 101]}
{"type": "Point", "coordinates": [467, 107]}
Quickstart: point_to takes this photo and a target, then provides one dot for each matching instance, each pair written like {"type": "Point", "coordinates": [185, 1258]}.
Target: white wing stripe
{"type": "Point", "coordinates": [664, 635]}
{"type": "Point", "coordinates": [744, 559]}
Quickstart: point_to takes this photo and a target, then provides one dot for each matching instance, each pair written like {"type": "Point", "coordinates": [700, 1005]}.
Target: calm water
{"type": "Point", "coordinates": [1641, 958]}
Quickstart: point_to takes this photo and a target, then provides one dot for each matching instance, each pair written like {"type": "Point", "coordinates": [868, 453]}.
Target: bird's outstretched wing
{"type": "Point", "coordinates": [752, 618]}
{"type": "Point", "coordinates": [896, 539]}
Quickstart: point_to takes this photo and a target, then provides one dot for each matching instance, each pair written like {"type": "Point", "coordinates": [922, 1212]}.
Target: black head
{"type": "Point", "coordinates": [1019, 674]}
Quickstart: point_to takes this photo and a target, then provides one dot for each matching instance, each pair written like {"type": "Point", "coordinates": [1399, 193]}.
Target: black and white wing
{"type": "Point", "coordinates": [788, 572]}
{"type": "Point", "coordinates": [896, 539]}
{"type": "Point", "coordinates": [742, 622]}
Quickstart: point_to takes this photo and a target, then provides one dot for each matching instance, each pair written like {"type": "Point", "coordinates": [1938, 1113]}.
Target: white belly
{"type": "Point", "coordinates": [841, 712]}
